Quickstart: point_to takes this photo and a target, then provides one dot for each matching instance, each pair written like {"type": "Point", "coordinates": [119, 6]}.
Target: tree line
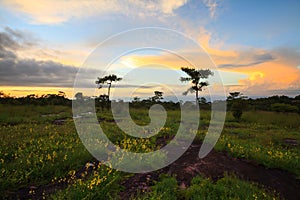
{"type": "Point", "coordinates": [236, 101]}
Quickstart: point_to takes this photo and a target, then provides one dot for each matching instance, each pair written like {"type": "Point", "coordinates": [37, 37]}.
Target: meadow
{"type": "Point", "coordinates": [42, 157]}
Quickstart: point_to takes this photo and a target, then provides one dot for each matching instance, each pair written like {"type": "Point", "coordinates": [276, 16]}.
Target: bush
{"type": "Point", "coordinates": [282, 107]}
{"type": "Point", "coordinates": [237, 109]}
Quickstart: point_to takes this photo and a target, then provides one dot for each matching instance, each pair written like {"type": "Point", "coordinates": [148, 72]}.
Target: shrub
{"type": "Point", "coordinates": [282, 107]}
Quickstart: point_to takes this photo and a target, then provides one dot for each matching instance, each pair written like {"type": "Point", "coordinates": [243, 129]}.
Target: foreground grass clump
{"type": "Point", "coordinates": [228, 187]}
{"type": "Point", "coordinates": [34, 154]}
{"type": "Point", "coordinates": [261, 137]}
{"type": "Point", "coordinates": [101, 184]}
{"type": "Point", "coordinates": [29, 114]}
{"type": "Point", "coordinates": [271, 156]}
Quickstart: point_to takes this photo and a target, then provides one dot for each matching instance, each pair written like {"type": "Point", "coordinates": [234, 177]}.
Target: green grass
{"type": "Point", "coordinates": [263, 139]}
{"type": "Point", "coordinates": [102, 184]}
{"type": "Point", "coordinates": [280, 120]}
{"type": "Point", "coordinates": [19, 114]}
{"type": "Point", "coordinates": [228, 187]}
{"type": "Point", "coordinates": [36, 152]}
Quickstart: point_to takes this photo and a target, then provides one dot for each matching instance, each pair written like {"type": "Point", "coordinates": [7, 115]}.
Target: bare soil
{"type": "Point", "coordinates": [215, 165]}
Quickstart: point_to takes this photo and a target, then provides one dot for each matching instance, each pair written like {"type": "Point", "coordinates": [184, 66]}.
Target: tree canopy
{"type": "Point", "coordinates": [197, 78]}
{"type": "Point", "coordinates": [107, 80]}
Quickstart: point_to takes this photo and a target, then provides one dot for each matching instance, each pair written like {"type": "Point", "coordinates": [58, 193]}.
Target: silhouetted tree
{"type": "Point", "coordinates": [79, 96]}
{"type": "Point", "coordinates": [237, 104]}
{"type": "Point", "coordinates": [233, 95]}
{"type": "Point", "coordinates": [202, 100]}
{"type": "Point", "coordinates": [107, 80]}
{"type": "Point", "coordinates": [197, 78]}
{"type": "Point", "coordinates": [157, 96]}
{"type": "Point", "coordinates": [103, 100]}
{"type": "Point", "coordinates": [136, 99]}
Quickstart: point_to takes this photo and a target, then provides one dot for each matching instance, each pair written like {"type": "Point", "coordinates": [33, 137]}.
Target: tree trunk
{"type": "Point", "coordinates": [108, 93]}
{"type": "Point", "coordinates": [197, 98]}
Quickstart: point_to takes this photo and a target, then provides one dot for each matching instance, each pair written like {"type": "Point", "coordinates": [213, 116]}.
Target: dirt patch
{"type": "Point", "coordinates": [214, 166]}
{"type": "Point", "coordinates": [291, 142]}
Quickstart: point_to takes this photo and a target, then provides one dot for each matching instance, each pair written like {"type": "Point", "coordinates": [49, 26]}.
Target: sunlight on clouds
{"type": "Point", "coordinates": [19, 91]}
{"type": "Point", "coordinates": [256, 75]}
{"type": "Point", "coordinates": [168, 6]}
{"type": "Point", "coordinates": [66, 57]}
{"type": "Point", "coordinates": [56, 12]}
{"type": "Point", "coordinates": [205, 39]}
{"type": "Point", "coordinates": [157, 61]}
{"type": "Point", "coordinates": [264, 69]}
{"type": "Point", "coordinates": [270, 76]}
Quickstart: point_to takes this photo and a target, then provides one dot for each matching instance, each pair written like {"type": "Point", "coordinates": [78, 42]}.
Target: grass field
{"type": "Point", "coordinates": [40, 146]}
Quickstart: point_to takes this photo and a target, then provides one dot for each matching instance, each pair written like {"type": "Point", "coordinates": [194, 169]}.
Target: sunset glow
{"type": "Point", "coordinates": [43, 44]}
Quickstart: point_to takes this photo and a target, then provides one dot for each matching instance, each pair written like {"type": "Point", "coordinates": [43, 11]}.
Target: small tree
{"type": "Point", "coordinates": [79, 96]}
{"type": "Point", "coordinates": [157, 96]}
{"type": "Point", "coordinates": [197, 78]}
{"type": "Point", "coordinates": [202, 100]}
{"type": "Point", "coordinates": [236, 99]}
{"type": "Point", "coordinates": [107, 80]}
{"type": "Point", "coordinates": [103, 101]}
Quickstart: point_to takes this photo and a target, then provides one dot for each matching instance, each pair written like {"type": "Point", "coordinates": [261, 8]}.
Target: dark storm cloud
{"type": "Point", "coordinates": [35, 73]}
{"type": "Point", "coordinates": [15, 71]}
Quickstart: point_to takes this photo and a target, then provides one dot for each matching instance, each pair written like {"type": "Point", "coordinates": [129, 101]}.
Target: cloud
{"type": "Point", "coordinates": [35, 73]}
{"type": "Point", "coordinates": [271, 75]}
{"type": "Point", "coordinates": [7, 45]}
{"type": "Point", "coordinates": [255, 71]}
{"type": "Point", "coordinates": [56, 12]}
{"type": "Point", "coordinates": [212, 6]}
{"type": "Point", "coordinates": [12, 41]}
{"type": "Point", "coordinates": [247, 58]}
{"type": "Point", "coordinates": [17, 71]}
{"type": "Point", "coordinates": [267, 71]}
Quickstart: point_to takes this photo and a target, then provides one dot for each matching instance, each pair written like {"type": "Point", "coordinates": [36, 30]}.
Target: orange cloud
{"type": "Point", "coordinates": [265, 78]}
{"type": "Point", "coordinates": [205, 39]}
{"type": "Point", "coordinates": [266, 70]}
{"type": "Point", "coordinates": [56, 12]}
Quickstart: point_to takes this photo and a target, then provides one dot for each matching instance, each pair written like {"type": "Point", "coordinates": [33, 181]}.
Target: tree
{"type": "Point", "coordinates": [202, 100]}
{"type": "Point", "coordinates": [157, 96]}
{"type": "Point", "coordinates": [233, 95]}
{"type": "Point", "coordinates": [107, 80]}
{"type": "Point", "coordinates": [197, 78]}
{"type": "Point", "coordinates": [237, 104]}
{"type": "Point", "coordinates": [79, 96]}
{"type": "Point", "coordinates": [297, 97]}
{"type": "Point", "coordinates": [3, 95]}
{"type": "Point", "coordinates": [103, 100]}
{"type": "Point", "coordinates": [136, 99]}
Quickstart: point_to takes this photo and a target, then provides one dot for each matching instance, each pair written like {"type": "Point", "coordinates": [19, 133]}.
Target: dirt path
{"type": "Point", "coordinates": [214, 166]}
{"type": "Point", "coordinates": [188, 166]}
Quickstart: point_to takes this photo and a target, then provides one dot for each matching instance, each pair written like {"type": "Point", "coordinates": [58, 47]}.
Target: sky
{"type": "Point", "coordinates": [251, 46]}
